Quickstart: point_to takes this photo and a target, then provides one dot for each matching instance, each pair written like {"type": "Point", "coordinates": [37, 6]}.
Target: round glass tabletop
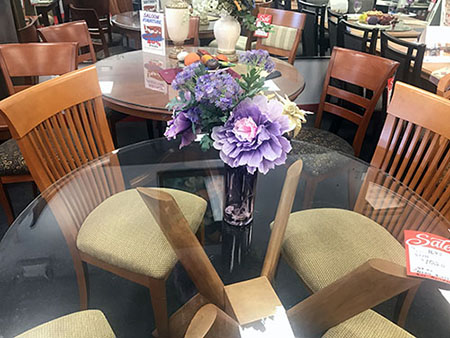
{"type": "Point", "coordinates": [37, 273]}
{"type": "Point", "coordinates": [131, 82]}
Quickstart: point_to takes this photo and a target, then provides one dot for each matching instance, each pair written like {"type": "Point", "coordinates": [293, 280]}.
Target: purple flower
{"type": "Point", "coordinates": [183, 124]}
{"type": "Point", "coordinates": [253, 135]}
{"type": "Point", "coordinates": [258, 58]}
{"type": "Point", "coordinates": [218, 89]}
{"type": "Point", "coordinates": [186, 76]}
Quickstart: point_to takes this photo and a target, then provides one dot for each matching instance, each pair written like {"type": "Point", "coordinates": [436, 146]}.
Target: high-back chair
{"type": "Point", "coordinates": [29, 33]}
{"type": "Point", "coordinates": [314, 43]}
{"type": "Point", "coordinates": [286, 34]}
{"type": "Point", "coordinates": [102, 8]}
{"type": "Point", "coordinates": [443, 88]}
{"type": "Point", "coordinates": [25, 63]}
{"type": "Point", "coordinates": [95, 27]}
{"type": "Point", "coordinates": [333, 22]}
{"type": "Point", "coordinates": [76, 31]}
{"type": "Point", "coordinates": [60, 136]}
{"type": "Point", "coordinates": [349, 68]}
{"type": "Point", "coordinates": [352, 36]}
{"type": "Point", "coordinates": [408, 54]}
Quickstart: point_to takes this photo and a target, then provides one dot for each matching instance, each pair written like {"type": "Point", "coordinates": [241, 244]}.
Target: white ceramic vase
{"type": "Point", "coordinates": [227, 31]}
{"type": "Point", "coordinates": [177, 23]}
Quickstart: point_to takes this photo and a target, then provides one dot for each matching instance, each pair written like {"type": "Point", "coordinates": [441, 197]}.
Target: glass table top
{"type": "Point", "coordinates": [37, 277]}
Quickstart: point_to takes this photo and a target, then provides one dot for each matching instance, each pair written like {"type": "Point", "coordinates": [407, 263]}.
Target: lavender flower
{"type": "Point", "coordinates": [218, 89]}
{"type": "Point", "coordinates": [259, 59]}
{"type": "Point", "coordinates": [184, 124]}
{"type": "Point", "coordinates": [185, 78]}
{"type": "Point", "coordinates": [253, 135]}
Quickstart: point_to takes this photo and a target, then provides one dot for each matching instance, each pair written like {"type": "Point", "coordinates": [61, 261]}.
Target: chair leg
{"type": "Point", "coordinates": [406, 305]}
{"type": "Point", "coordinates": [6, 204]}
{"type": "Point", "coordinates": [81, 271]}
{"type": "Point", "coordinates": [159, 303]}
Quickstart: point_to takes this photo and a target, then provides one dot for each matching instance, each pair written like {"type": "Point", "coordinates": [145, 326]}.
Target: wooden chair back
{"type": "Point", "coordinates": [285, 19]}
{"type": "Point", "coordinates": [443, 88]}
{"type": "Point", "coordinates": [193, 38]}
{"type": "Point", "coordinates": [281, 220]}
{"type": "Point", "coordinates": [29, 33]}
{"type": "Point", "coordinates": [94, 26]}
{"type": "Point", "coordinates": [408, 54]}
{"type": "Point", "coordinates": [31, 60]}
{"type": "Point", "coordinates": [333, 22]}
{"type": "Point", "coordinates": [314, 29]}
{"type": "Point", "coordinates": [357, 38]}
{"type": "Point", "coordinates": [59, 125]}
{"type": "Point", "coordinates": [347, 69]}
{"type": "Point", "coordinates": [76, 31]}
{"type": "Point", "coordinates": [414, 146]}
{"type": "Point", "coordinates": [120, 6]}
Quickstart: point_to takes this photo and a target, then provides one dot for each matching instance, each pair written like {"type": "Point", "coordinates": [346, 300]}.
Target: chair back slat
{"type": "Point", "coordinates": [443, 88]}
{"type": "Point", "coordinates": [76, 31]}
{"type": "Point", "coordinates": [31, 60]}
{"type": "Point", "coordinates": [285, 19]}
{"type": "Point", "coordinates": [314, 30]}
{"type": "Point", "coordinates": [333, 22]}
{"type": "Point", "coordinates": [414, 146]}
{"type": "Point", "coordinates": [351, 89]}
{"type": "Point", "coordinates": [357, 38]}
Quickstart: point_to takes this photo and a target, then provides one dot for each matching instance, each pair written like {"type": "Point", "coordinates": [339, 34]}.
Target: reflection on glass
{"type": "Point", "coordinates": [152, 79]}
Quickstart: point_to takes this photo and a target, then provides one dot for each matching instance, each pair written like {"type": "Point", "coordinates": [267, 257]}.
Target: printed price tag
{"type": "Point", "coordinates": [427, 255]}
{"type": "Point", "coordinates": [267, 19]}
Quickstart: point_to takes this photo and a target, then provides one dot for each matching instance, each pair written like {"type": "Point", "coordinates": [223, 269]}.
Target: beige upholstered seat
{"type": "Point", "coordinates": [323, 245]}
{"type": "Point", "coordinates": [121, 231]}
{"type": "Point", "coordinates": [280, 37]}
{"type": "Point", "coordinates": [367, 324]}
{"type": "Point", "coordinates": [86, 324]}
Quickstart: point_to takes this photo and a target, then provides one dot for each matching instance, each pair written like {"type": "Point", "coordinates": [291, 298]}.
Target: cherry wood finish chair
{"type": "Point", "coordinates": [315, 42]}
{"type": "Point", "coordinates": [103, 224]}
{"type": "Point", "coordinates": [29, 33]}
{"type": "Point", "coordinates": [357, 38]}
{"type": "Point", "coordinates": [443, 88]}
{"type": "Point", "coordinates": [95, 27]}
{"type": "Point", "coordinates": [286, 34]}
{"type": "Point", "coordinates": [410, 68]}
{"type": "Point", "coordinates": [87, 324]}
{"type": "Point", "coordinates": [26, 62]}
{"type": "Point", "coordinates": [76, 31]}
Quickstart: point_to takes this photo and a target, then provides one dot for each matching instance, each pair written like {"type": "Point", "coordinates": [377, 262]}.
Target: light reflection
{"type": "Point", "coordinates": [276, 325]}
{"type": "Point", "coordinates": [106, 86]}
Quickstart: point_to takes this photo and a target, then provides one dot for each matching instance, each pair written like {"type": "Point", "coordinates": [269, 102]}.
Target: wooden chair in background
{"type": "Point", "coordinates": [29, 33]}
{"type": "Point", "coordinates": [333, 22]}
{"type": "Point", "coordinates": [24, 63]}
{"type": "Point", "coordinates": [443, 88]}
{"type": "Point", "coordinates": [95, 27]}
{"type": "Point", "coordinates": [410, 61]}
{"type": "Point", "coordinates": [315, 42]}
{"type": "Point", "coordinates": [76, 31]}
{"type": "Point", "coordinates": [352, 36]}
{"type": "Point", "coordinates": [102, 9]}
{"type": "Point", "coordinates": [120, 6]}
{"type": "Point", "coordinates": [286, 34]}
{"type": "Point", "coordinates": [60, 125]}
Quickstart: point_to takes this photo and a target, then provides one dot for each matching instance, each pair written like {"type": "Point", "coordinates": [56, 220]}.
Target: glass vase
{"type": "Point", "coordinates": [240, 189]}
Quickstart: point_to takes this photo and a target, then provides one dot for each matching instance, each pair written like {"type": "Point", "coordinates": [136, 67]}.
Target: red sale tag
{"type": "Point", "coordinates": [265, 18]}
{"type": "Point", "coordinates": [427, 255]}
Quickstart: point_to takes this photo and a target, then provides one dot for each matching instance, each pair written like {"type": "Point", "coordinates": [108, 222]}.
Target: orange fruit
{"type": "Point", "coordinates": [205, 58]}
{"type": "Point", "coordinates": [222, 57]}
{"type": "Point", "coordinates": [191, 58]}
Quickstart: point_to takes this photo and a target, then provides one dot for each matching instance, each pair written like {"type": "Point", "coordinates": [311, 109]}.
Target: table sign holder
{"type": "Point", "coordinates": [427, 255]}
{"type": "Point", "coordinates": [153, 32]}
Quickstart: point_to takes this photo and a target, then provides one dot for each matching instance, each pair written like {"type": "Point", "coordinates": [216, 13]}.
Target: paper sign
{"type": "Point", "coordinates": [150, 5]}
{"type": "Point", "coordinates": [427, 255]}
{"type": "Point", "coordinates": [152, 33]}
{"type": "Point", "coordinates": [267, 19]}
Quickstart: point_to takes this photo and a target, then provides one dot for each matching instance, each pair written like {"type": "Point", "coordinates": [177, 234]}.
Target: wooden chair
{"type": "Point", "coordinates": [357, 38]}
{"type": "Point", "coordinates": [333, 21]}
{"type": "Point", "coordinates": [26, 62]}
{"type": "Point", "coordinates": [88, 324]}
{"type": "Point", "coordinates": [286, 34]}
{"type": "Point", "coordinates": [410, 68]}
{"type": "Point", "coordinates": [101, 7]}
{"type": "Point", "coordinates": [95, 27]}
{"type": "Point", "coordinates": [443, 88]}
{"type": "Point", "coordinates": [76, 31]}
{"type": "Point", "coordinates": [349, 68]}
{"type": "Point", "coordinates": [61, 135]}
{"type": "Point", "coordinates": [120, 6]}
{"type": "Point", "coordinates": [192, 256]}
{"type": "Point", "coordinates": [29, 32]}
{"type": "Point", "coordinates": [316, 43]}
{"type": "Point", "coordinates": [193, 35]}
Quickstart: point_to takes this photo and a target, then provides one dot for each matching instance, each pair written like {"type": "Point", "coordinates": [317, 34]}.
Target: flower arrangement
{"type": "Point", "coordinates": [242, 9]}
{"type": "Point", "coordinates": [236, 118]}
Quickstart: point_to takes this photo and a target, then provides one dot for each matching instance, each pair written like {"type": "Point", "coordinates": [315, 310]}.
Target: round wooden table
{"type": "Point", "coordinates": [132, 85]}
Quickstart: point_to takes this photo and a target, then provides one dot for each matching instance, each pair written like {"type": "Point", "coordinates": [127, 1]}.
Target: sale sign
{"type": "Point", "coordinates": [262, 18]}
{"type": "Point", "coordinates": [427, 255]}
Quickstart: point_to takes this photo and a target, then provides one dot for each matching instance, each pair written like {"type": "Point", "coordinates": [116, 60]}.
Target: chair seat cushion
{"type": "Point", "coordinates": [11, 159]}
{"type": "Point", "coordinates": [281, 37]}
{"type": "Point", "coordinates": [87, 324]}
{"type": "Point", "coordinates": [326, 139]}
{"type": "Point", "coordinates": [121, 231]}
{"type": "Point", "coordinates": [323, 245]}
{"type": "Point", "coordinates": [367, 324]}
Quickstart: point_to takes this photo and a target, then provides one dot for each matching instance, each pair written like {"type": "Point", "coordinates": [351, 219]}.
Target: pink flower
{"type": "Point", "coordinates": [245, 129]}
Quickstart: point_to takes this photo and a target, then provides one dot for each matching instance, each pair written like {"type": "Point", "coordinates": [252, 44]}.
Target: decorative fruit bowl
{"type": "Point", "coordinates": [212, 62]}
{"type": "Point", "coordinates": [377, 19]}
